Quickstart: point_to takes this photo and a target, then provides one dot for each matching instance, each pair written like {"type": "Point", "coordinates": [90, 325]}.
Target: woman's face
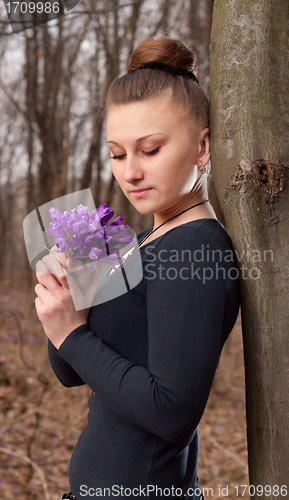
{"type": "Point", "coordinates": [154, 153]}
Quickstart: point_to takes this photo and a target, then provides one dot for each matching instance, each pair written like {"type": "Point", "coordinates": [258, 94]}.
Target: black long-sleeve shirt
{"type": "Point", "coordinates": [149, 357]}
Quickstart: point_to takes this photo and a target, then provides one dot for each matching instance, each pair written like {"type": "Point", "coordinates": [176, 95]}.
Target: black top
{"type": "Point", "coordinates": [149, 357]}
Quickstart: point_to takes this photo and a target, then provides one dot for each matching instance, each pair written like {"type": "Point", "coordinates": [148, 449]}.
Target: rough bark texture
{"type": "Point", "coordinates": [249, 92]}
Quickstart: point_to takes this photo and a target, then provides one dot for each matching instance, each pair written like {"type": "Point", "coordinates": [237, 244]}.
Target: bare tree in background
{"type": "Point", "coordinates": [50, 63]}
{"type": "Point", "coordinates": [201, 12]}
{"type": "Point", "coordinates": [67, 68]}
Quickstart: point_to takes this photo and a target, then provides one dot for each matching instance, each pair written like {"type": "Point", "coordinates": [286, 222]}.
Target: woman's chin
{"type": "Point", "coordinates": [142, 211]}
{"type": "Point", "coordinates": [141, 208]}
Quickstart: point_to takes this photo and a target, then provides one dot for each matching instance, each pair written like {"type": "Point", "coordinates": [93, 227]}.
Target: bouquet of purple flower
{"type": "Point", "coordinates": [83, 235]}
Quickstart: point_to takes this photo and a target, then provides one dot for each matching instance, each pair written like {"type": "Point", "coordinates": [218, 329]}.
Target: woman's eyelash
{"type": "Point", "coordinates": [117, 157]}
{"type": "Point", "coordinates": [148, 153]}
{"type": "Point", "coordinates": [152, 152]}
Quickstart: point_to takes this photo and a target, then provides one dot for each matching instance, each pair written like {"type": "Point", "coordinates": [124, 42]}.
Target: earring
{"type": "Point", "coordinates": [203, 168]}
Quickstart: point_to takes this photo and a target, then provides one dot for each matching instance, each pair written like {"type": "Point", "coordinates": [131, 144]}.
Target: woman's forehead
{"type": "Point", "coordinates": [143, 118]}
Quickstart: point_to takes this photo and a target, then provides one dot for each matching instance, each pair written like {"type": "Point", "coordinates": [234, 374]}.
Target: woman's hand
{"type": "Point", "coordinates": [61, 304]}
{"type": "Point", "coordinates": [71, 268]}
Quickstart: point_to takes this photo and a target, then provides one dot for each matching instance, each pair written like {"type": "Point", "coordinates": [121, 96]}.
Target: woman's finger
{"type": "Point", "coordinates": [49, 282]}
{"type": "Point", "coordinates": [81, 299]}
{"type": "Point", "coordinates": [42, 293]}
{"type": "Point", "coordinates": [80, 272]}
{"type": "Point", "coordinates": [59, 256]}
{"type": "Point", "coordinates": [56, 269]}
{"type": "Point", "coordinates": [38, 302]}
{"type": "Point", "coordinates": [41, 269]}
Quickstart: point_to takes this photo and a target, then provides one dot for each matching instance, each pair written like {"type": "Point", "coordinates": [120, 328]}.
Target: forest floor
{"type": "Point", "coordinates": [41, 420]}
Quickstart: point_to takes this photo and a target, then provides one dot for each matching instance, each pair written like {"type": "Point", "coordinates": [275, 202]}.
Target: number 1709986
{"type": "Point", "coordinates": [32, 7]}
{"type": "Point", "coordinates": [260, 490]}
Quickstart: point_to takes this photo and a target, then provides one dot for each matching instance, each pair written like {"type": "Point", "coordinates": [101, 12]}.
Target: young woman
{"type": "Point", "coordinates": [150, 355]}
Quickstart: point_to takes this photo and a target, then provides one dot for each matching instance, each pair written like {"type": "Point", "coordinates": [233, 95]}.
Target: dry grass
{"type": "Point", "coordinates": [223, 445]}
{"type": "Point", "coordinates": [41, 420]}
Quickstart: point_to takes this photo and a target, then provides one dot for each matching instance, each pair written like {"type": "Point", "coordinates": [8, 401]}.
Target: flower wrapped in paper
{"type": "Point", "coordinates": [88, 236]}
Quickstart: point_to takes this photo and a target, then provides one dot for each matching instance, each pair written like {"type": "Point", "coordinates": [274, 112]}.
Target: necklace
{"type": "Point", "coordinates": [153, 230]}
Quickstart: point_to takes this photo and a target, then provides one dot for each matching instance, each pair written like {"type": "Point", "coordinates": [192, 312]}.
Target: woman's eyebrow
{"type": "Point", "coordinates": [138, 140]}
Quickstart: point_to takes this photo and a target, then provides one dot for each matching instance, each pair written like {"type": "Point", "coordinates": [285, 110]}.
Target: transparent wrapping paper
{"type": "Point", "coordinates": [94, 245]}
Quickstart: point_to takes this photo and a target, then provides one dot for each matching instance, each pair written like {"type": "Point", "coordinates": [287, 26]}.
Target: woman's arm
{"type": "Point", "coordinates": [63, 371]}
{"type": "Point", "coordinates": [185, 319]}
{"type": "Point", "coordinates": [56, 309]}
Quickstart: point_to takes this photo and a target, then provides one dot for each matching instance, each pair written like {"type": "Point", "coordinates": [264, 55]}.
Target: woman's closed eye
{"type": "Point", "coordinates": [147, 153]}
{"type": "Point", "coordinates": [118, 157]}
{"type": "Point", "coordinates": [153, 152]}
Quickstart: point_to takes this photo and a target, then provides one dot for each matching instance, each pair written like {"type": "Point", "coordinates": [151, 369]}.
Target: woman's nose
{"type": "Point", "coordinates": [133, 170]}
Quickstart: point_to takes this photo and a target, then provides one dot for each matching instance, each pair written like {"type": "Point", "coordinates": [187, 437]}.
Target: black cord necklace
{"type": "Point", "coordinates": [153, 230]}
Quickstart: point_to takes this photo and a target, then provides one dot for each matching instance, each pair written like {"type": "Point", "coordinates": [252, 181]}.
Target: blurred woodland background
{"type": "Point", "coordinates": [52, 82]}
{"type": "Point", "coordinates": [52, 142]}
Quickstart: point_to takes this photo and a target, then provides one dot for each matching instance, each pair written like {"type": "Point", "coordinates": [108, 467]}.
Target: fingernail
{"type": "Point", "coordinates": [40, 267]}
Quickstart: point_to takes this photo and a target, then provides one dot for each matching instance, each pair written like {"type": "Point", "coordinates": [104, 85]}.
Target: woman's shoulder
{"type": "Point", "coordinates": [212, 229]}
{"type": "Point", "coordinates": [194, 233]}
{"type": "Point", "coordinates": [193, 254]}
{"type": "Point", "coordinates": [143, 233]}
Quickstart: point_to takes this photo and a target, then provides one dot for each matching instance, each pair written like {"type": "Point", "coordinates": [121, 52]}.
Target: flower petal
{"type": "Point", "coordinates": [62, 244]}
{"type": "Point", "coordinates": [117, 221]}
{"type": "Point", "coordinates": [54, 214]}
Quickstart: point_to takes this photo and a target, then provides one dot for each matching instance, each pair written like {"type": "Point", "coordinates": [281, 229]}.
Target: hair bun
{"type": "Point", "coordinates": [163, 50]}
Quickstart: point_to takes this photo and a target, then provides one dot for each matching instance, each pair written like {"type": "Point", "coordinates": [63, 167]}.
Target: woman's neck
{"type": "Point", "coordinates": [191, 210]}
{"type": "Point", "coordinates": [204, 211]}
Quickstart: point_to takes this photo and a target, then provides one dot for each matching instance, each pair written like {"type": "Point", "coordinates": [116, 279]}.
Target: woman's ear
{"type": "Point", "coordinates": [204, 154]}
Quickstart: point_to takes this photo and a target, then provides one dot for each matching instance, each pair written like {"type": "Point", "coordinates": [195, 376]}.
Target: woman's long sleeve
{"type": "Point", "coordinates": [63, 371]}
{"type": "Point", "coordinates": [185, 336]}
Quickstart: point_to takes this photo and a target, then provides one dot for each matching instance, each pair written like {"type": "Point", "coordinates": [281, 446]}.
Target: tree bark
{"type": "Point", "coordinates": [31, 83]}
{"type": "Point", "coordinates": [200, 23]}
{"type": "Point", "coordinates": [249, 93]}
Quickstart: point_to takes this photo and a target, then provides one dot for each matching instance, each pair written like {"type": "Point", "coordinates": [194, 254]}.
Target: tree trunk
{"type": "Point", "coordinates": [31, 84]}
{"type": "Point", "coordinates": [200, 28]}
{"type": "Point", "coordinates": [249, 92]}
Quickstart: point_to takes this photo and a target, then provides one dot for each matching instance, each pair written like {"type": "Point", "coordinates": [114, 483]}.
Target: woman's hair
{"type": "Point", "coordinates": [143, 83]}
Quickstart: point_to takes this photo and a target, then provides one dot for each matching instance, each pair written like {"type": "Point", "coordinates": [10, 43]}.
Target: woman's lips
{"type": "Point", "coordinates": [140, 192]}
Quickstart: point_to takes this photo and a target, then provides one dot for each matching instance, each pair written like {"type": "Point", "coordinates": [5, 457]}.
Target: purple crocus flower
{"type": "Point", "coordinates": [62, 244]}
{"type": "Point", "coordinates": [56, 229]}
{"type": "Point", "coordinates": [55, 214]}
{"type": "Point", "coordinates": [104, 213]}
{"type": "Point", "coordinates": [94, 253]}
{"type": "Point", "coordinates": [84, 235]}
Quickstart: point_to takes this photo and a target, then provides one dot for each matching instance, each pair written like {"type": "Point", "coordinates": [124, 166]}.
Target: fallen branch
{"type": "Point", "coordinates": [228, 452]}
{"type": "Point", "coordinates": [36, 467]}
{"type": "Point", "coordinates": [22, 417]}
